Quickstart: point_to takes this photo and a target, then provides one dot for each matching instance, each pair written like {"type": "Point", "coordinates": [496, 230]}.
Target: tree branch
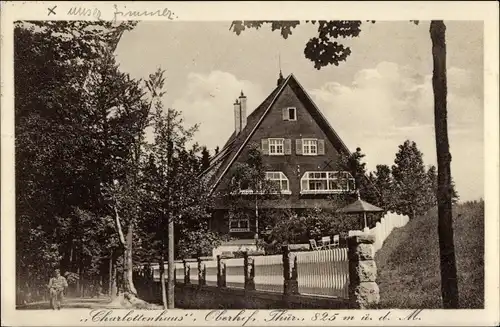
{"type": "Point", "coordinates": [119, 225]}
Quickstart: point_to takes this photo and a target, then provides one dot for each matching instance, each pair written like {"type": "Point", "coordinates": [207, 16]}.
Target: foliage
{"type": "Point", "coordinates": [71, 277]}
{"type": "Point", "coordinates": [323, 49]}
{"type": "Point", "coordinates": [172, 191]}
{"type": "Point", "coordinates": [84, 173]}
{"type": "Point", "coordinates": [357, 168]}
{"type": "Point", "coordinates": [410, 180]}
{"type": "Point", "coordinates": [198, 243]}
{"type": "Point", "coordinates": [58, 157]}
{"type": "Point", "coordinates": [249, 175]}
{"type": "Point", "coordinates": [298, 228]}
{"type": "Point", "coordinates": [383, 181]}
{"type": "Point", "coordinates": [205, 159]}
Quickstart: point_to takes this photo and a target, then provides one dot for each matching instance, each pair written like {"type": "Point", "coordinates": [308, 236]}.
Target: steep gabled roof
{"type": "Point", "coordinates": [221, 163]}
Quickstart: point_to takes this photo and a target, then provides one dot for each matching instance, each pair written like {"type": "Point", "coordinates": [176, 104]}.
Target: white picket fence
{"type": "Point", "coordinates": [383, 228]}
{"type": "Point", "coordinates": [269, 273]}
{"type": "Point", "coordinates": [234, 273]}
{"type": "Point", "coordinates": [211, 272]}
{"type": "Point", "coordinates": [323, 273]}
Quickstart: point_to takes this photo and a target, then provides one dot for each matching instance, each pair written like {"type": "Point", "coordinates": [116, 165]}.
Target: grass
{"type": "Point", "coordinates": [408, 263]}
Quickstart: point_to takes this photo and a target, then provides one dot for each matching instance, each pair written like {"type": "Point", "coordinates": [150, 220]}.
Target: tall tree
{"type": "Point", "coordinates": [55, 172]}
{"type": "Point", "coordinates": [324, 50]}
{"type": "Point", "coordinates": [179, 197]}
{"type": "Point", "coordinates": [410, 180]}
{"type": "Point", "coordinates": [355, 165]}
{"type": "Point", "coordinates": [124, 193]}
{"type": "Point", "coordinates": [432, 191]}
{"type": "Point", "coordinates": [382, 179]}
{"type": "Point", "coordinates": [449, 286]}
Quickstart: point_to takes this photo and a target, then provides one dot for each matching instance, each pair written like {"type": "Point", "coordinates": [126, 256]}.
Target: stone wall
{"type": "Point", "coordinates": [363, 289]}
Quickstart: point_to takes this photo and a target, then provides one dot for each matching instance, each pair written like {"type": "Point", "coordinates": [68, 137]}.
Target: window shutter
{"type": "Point", "coordinates": [285, 114]}
{"type": "Point", "coordinates": [288, 147]}
{"type": "Point", "coordinates": [298, 146]}
{"type": "Point", "coordinates": [265, 146]}
{"type": "Point", "coordinates": [321, 147]}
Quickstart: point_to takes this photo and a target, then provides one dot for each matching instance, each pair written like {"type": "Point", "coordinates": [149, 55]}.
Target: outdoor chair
{"type": "Point", "coordinates": [326, 241]}
{"type": "Point", "coordinates": [336, 241]}
{"type": "Point", "coordinates": [314, 246]}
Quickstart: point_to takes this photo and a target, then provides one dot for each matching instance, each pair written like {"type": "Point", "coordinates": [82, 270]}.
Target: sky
{"type": "Point", "coordinates": [378, 98]}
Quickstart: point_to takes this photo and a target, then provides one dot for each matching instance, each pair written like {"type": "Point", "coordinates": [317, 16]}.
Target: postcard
{"type": "Point", "coordinates": [250, 163]}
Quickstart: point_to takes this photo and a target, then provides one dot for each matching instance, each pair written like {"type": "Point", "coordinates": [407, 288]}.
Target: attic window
{"type": "Point", "coordinates": [310, 147]}
{"type": "Point", "coordinates": [276, 146]}
{"type": "Point", "coordinates": [290, 113]}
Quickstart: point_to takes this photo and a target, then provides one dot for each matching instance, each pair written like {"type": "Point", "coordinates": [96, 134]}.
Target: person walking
{"type": "Point", "coordinates": [57, 286]}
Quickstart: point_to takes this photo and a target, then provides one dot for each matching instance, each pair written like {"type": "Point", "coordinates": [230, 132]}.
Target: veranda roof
{"type": "Point", "coordinates": [360, 206]}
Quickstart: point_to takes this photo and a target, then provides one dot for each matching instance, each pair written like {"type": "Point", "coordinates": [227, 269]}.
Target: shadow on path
{"type": "Point", "coordinates": [71, 303]}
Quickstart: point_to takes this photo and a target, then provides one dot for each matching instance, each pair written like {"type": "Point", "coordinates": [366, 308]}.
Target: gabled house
{"type": "Point", "coordinates": [298, 145]}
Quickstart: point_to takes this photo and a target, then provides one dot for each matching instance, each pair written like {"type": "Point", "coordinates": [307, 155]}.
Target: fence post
{"type": "Point", "coordinates": [221, 272]}
{"type": "Point", "coordinates": [363, 290]}
{"type": "Point", "coordinates": [249, 271]}
{"type": "Point", "coordinates": [290, 285]}
{"type": "Point", "coordinates": [187, 272]}
{"type": "Point", "coordinates": [201, 273]}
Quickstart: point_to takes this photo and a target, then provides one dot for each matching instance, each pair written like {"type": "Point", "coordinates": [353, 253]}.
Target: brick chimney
{"type": "Point", "coordinates": [243, 110]}
{"type": "Point", "coordinates": [280, 80]}
{"type": "Point", "coordinates": [237, 117]}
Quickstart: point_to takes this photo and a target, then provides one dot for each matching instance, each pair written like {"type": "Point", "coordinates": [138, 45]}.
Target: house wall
{"type": "Point", "coordinates": [294, 166]}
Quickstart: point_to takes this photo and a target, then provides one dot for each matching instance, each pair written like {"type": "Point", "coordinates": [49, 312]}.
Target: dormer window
{"type": "Point", "coordinates": [290, 113]}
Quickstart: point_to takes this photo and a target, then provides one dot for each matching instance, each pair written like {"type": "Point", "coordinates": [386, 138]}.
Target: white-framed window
{"type": "Point", "coordinates": [326, 182]}
{"type": "Point", "coordinates": [290, 113]}
{"type": "Point", "coordinates": [239, 225]}
{"type": "Point", "coordinates": [310, 147]}
{"type": "Point", "coordinates": [276, 147]}
{"type": "Point", "coordinates": [279, 180]}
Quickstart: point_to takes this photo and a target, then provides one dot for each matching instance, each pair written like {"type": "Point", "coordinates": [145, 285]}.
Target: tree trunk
{"type": "Point", "coordinates": [128, 265]}
{"type": "Point", "coordinates": [449, 287]}
{"type": "Point", "coordinates": [256, 219]}
{"type": "Point", "coordinates": [79, 280]}
{"type": "Point", "coordinates": [114, 286]}
{"type": "Point", "coordinates": [162, 281]}
{"type": "Point", "coordinates": [170, 248]}
{"type": "Point", "coordinates": [110, 277]}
